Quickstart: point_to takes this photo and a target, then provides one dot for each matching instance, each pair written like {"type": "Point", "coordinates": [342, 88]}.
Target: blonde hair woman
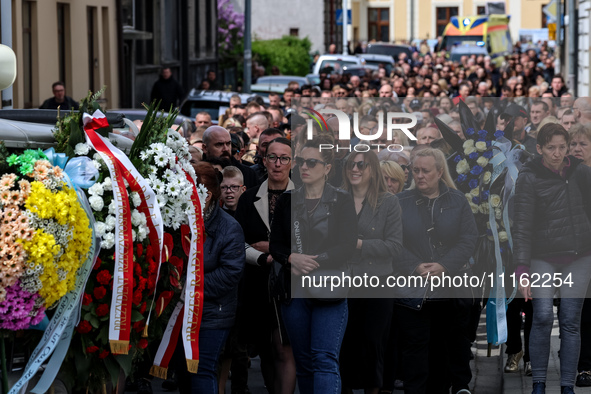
{"type": "Point", "coordinates": [393, 176]}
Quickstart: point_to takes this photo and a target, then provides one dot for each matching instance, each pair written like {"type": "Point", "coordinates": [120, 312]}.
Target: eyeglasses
{"type": "Point", "coordinates": [233, 188]}
{"type": "Point", "coordinates": [362, 165]}
{"type": "Point", "coordinates": [404, 167]}
{"type": "Point", "coordinates": [310, 163]}
{"type": "Point", "coordinates": [282, 159]}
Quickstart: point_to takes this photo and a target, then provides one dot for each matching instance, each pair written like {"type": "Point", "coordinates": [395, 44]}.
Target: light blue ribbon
{"type": "Point", "coordinates": [57, 336]}
{"type": "Point", "coordinates": [79, 170]}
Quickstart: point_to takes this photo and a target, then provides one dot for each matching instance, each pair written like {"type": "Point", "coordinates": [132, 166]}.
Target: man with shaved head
{"type": "Point", "coordinates": [427, 134]}
{"type": "Point", "coordinates": [218, 144]}
{"type": "Point", "coordinates": [255, 124]}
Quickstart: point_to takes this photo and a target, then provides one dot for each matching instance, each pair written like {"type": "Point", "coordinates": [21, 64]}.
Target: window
{"type": "Point", "coordinates": [144, 21]}
{"type": "Point", "coordinates": [28, 53]}
{"type": "Point", "coordinates": [92, 50]}
{"type": "Point", "coordinates": [62, 23]}
{"type": "Point", "coordinates": [128, 12]}
{"type": "Point", "coordinates": [481, 10]}
{"type": "Point", "coordinates": [171, 34]}
{"type": "Point", "coordinates": [544, 18]}
{"type": "Point", "coordinates": [379, 24]}
{"type": "Point", "coordinates": [294, 32]}
{"type": "Point", "coordinates": [444, 15]}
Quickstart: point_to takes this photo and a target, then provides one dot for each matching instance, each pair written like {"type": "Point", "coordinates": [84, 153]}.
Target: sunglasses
{"type": "Point", "coordinates": [405, 167]}
{"type": "Point", "coordinates": [362, 165]}
{"type": "Point", "coordinates": [310, 163]}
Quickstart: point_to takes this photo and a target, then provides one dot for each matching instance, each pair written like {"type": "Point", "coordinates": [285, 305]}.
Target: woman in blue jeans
{"type": "Point", "coordinates": [224, 259]}
{"type": "Point", "coordinates": [552, 234]}
{"type": "Point", "coordinates": [314, 230]}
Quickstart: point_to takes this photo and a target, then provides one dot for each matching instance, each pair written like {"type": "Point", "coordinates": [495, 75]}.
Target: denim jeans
{"type": "Point", "coordinates": [316, 330]}
{"type": "Point", "coordinates": [211, 343]}
{"type": "Point", "coordinates": [569, 319]}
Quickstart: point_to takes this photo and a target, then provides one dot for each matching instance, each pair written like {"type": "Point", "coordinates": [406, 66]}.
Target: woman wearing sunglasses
{"type": "Point", "coordinates": [379, 229]}
{"type": "Point", "coordinates": [315, 232]}
{"type": "Point", "coordinates": [440, 235]}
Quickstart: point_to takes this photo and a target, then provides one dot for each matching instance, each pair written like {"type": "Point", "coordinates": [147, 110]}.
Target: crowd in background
{"type": "Point", "coordinates": [261, 150]}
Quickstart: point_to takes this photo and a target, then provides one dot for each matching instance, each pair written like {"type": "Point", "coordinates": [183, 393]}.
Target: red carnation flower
{"type": "Point", "coordinates": [99, 292]}
{"type": "Point", "coordinates": [87, 299]}
{"type": "Point", "coordinates": [140, 249]}
{"type": "Point", "coordinates": [84, 327]}
{"type": "Point", "coordinates": [97, 264]}
{"type": "Point", "coordinates": [92, 349]}
{"type": "Point", "coordinates": [102, 310]}
{"type": "Point", "coordinates": [143, 343]}
{"type": "Point", "coordinates": [143, 308]}
{"type": "Point", "coordinates": [104, 277]}
{"type": "Point", "coordinates": [137, 298]}
{"type": "Point", "coordinates": [104, 354]}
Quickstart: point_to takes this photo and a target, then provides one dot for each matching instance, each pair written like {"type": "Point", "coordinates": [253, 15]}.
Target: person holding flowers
{"type": "Point", "coordinates": [551, 232]}
{"type": "Point", "coordinates": [439, 233]}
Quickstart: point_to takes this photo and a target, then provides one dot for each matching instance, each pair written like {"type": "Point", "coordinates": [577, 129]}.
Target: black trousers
{"type": "Point", "coordinates": [365, 341]}
{"type": "Point", "coordinates": [585, 355]}
{"type": "Point", "coordinates": [435, 346]}
{"type": "Point", "coordinates": [514, 309]}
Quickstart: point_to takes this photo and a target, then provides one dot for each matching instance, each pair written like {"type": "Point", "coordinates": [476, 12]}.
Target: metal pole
{"type": "Point", "coordinates": [247, 48]}
{"type": "Point", "coordinates": [558, 28]}
{"type": "Point", "coordinates": [412, 21]}
{"type": "Point", "coordinates": [6, 22]}
{"type": "Point", "coordinates": [345, 26]}
{"type": "Point", "coordinates": [572, 53]}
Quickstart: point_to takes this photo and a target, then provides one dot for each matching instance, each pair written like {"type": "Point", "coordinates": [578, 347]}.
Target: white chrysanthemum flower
{"type": "Point", "coordinates": [161, 159]}
{"type": "Point", "coordinates": [81, 149]}
{"type": "Point", "coordinates": [96, 164]}
{"type": "Point", "coordinates": [144, 155]}
{"type": "Point", "coordinates": [96, 189]}
{"type": "Point", "coordinates": [108, 241]}
{"type": "Point", "coordinates": [173, 189]}
{"type": "Point", "coordinates": [169, 175]}
{"type": "Point", "coordinates": [97, 203]}
{"type": "Point", "coordinates": [162, 200]}
{"type": "Point", "coordinates": [158, 186]}
{"type": "Point", "coordinates": [157, 147]}
{"type": "Point", "coordinates": [110, 222]}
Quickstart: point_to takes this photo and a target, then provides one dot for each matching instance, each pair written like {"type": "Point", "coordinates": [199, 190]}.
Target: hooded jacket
{"type": "Point", "coordinates": [551, 212]}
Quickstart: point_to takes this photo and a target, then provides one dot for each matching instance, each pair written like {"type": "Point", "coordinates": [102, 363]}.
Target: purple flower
{"type": "Point", "coordinates": [473, 183]}
{"type": "Point", "coordinates": [457, 159]}
{"type": "Point", "coordinates": [473, 156]}
{"type": "Point", "coordinates": [488, 154]}
{"type": "Point", "coordinates": [476, 200]}
{"type": "Point", "coordinates": [462, 178]}
{"type": "Point", "coordinates": [499, 134]}
{"type": "Point", "coordinates": [482, 133]}
{"type": "Point", "coordinates": [469, 131]}
{"type": "Point", "coordinates": [484, 195]}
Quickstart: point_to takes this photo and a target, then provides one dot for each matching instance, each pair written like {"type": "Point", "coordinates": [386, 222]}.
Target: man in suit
{"type": "Point", "coordinates": [263, 329]}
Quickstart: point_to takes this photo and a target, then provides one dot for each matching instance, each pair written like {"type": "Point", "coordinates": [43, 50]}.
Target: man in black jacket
{"type": "Point", "coordinates": [218, 143]}
{"type": "Point", "coordinates": [167, 89]}
{"type": "Point", "coordinates": [59, 99]}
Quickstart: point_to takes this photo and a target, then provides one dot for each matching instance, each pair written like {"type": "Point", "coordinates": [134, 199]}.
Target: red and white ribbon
{"type": "Point", "coordinates": [168, 343]}
{"type": "Point", "coordinates": [194, 283]}
{"type": "Point", "coordinates": [120, 314]}
{"type": "Point", "coordinates": [122, 167]}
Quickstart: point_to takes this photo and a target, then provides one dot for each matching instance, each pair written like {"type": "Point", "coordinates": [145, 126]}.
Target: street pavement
{"type": "Point", "coordinates": [487, 371]}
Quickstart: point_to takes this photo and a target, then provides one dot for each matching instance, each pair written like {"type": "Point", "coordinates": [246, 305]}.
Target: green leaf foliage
{"type": "Point", "coordinates": [289, 54]}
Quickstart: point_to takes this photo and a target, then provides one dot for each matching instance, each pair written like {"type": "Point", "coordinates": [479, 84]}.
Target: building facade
{"type": "Point", "coordinates": [406, 20]}
{"type": "Point", "coordinates": [180, 34]}
{"type": "Point", "coordinates": [74, 41]}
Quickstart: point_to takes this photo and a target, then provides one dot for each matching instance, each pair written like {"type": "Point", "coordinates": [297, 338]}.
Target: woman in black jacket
{"type": "Point", "coordinates": [317, 238]}
{"type": "Point", "coordinates": [439, 233]}
{"type": "Point", "coordinates": [379, 229]}
{"type": "Point", "coordinates": [223, 263]}
{"type": "Point", "coordinates": [552, 234]}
